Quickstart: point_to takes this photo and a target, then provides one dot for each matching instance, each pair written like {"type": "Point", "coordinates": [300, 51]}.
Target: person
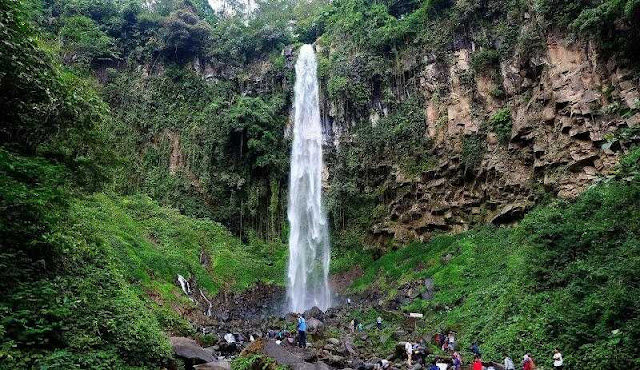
{"type": "Point", "coordinates": [356, 323]}
{"type": "Point", "coordinates": [508, 363]}
{"type": "Point", "coordinates": [360, 327]}
{"type": "Point", "coordinates": [457, 361]}
{"type": "Point", "coordinates": [475, 349]}
{"type": "Point", "coordinates": [352, 326]}
{"type": "Point", "coordinates": [302, 332]}
{"type": "Point", "coordinates": [349, 301]}
{"type": "Point", "coordinates": [434, 366]}
{"type": "Point", "coordinates": [558, 361]}
{"type": "Point", "coordinates": [527, 362]}
{"type": "Point", "coordinates": [408, 347]}
{"type": "Point", "coordinates": [381, 364]}
{"type": "Point", "coordinates": [379, 322]}
{"type": "Point", "coordinates": [452, 341]}
{"type": "Point", "coordinates": [477, 363]}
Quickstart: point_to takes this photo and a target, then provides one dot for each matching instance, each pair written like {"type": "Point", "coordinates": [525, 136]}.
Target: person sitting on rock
{"type": "Point", "coordinates": [302, 332]}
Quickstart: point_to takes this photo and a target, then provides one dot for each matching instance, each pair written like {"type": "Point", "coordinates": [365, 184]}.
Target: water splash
{"type": "Point", "coordinates": [309, 250]}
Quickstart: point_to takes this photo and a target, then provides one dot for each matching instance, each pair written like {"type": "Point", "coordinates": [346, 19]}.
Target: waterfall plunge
{"type": "Point", "coordinates": [309, 252]}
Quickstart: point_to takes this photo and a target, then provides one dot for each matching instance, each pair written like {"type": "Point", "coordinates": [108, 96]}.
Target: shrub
{"type": "Point", "coordinates": [500, 123]}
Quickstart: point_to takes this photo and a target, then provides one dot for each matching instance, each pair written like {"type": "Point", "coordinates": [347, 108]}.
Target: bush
{"type": "Point", "coordinates": [485, 58]}
{"type": "Point", "coordinates": [500, 123]}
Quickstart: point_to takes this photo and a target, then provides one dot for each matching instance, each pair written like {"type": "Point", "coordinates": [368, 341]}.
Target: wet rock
{"type": "Point", "coordinates": [188, 349]}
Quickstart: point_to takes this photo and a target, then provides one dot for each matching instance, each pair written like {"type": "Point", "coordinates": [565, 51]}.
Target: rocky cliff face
{"type": "Point", "coordinates": [560, 111]}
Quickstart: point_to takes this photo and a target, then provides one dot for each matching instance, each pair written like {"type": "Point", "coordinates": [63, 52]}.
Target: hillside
{"type": "Point", "coordinates": [90, 281]}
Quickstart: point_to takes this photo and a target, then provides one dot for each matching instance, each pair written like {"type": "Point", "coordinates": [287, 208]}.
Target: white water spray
{"type": "Point", "coordinates": [309, 251]}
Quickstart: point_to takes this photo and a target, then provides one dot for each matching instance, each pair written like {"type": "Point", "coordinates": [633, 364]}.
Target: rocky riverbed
{"type": "Point", "coordinates": [249, 324]}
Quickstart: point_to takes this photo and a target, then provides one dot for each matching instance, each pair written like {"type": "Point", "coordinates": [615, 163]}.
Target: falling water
{"type": "Point", "coordinates": [308, 235]}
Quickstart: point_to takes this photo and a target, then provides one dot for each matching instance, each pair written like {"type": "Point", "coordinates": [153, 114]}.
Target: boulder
{"type": "Point", "coordinates": [281, 355]}
{"type": "Point", "coordinates": [333, 341]}
{"type": "Point", "coordinates": [310, 366]}
{"type": "Point", "coordinates": [314, 326]}
{"type": "Point", "coordinates": [188, 348]}
{"type": "Point", "coordinates": [214, 365]}
{"type": "Point", "coordinates": [348, 349]}
{"type": "Point", "coordinates": [314, 312]}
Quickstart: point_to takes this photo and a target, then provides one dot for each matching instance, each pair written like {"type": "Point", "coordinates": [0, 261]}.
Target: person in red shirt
{"type": "Point", "coordinates": [477, 364]}
{"type": "Point", "coordinates": [527, 362]}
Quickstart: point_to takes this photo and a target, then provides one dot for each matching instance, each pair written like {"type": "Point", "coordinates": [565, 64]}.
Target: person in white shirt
{"type": "Point", "coordinates": [508, 363]}
{"type": "Point", "coordinates": [408, 347]}
{"type": "Point", "coordinates": [558, 362]}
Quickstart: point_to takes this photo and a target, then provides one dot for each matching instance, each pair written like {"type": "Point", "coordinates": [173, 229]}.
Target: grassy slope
{"type": "Point", "coordinates": [566, 276]}
{"type": "Point", "coordinates": [153, 244]}
{"type": "Point", "coordinates": [77, 271]}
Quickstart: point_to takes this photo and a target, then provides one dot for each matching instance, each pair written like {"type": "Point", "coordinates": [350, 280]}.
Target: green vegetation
{"type": "Point", "coordinates": [565, 277]}
{"type": "Point", "coordinates": [78, 272]}
{"type": "Point", "coordinates": [500, 123]}
{"type": "Point", "coordinates": [140, 141]}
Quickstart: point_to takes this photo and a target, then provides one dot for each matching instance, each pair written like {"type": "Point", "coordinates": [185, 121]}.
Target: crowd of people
{"type": "Point", "coordinates": [446, 342]}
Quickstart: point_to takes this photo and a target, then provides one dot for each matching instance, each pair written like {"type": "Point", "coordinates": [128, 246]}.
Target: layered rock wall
{"type": "Point", "coordinates": [566, 105]}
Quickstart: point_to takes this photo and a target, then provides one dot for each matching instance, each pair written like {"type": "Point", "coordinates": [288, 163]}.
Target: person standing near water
{"type": "Point", "coordinates": [558, 361]}
{"type": "Point", "coordinates": [302, 332]}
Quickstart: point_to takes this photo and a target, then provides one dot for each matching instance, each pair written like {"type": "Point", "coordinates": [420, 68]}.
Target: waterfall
{"type": "Point", "coordinates": [309, 251]}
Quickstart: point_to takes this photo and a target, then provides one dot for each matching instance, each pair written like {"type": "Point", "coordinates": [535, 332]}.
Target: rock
{"type": "Point", "coordinates": [333, 341]}
{"type": "Point", "coordinates": [348, 348]}
{"type": "Point", "coordinates": [188, 348]}
{"type": "Point", "coordinates": [310, 366]}
{"type": "Point", "coordinates": [314, 312]}
{"type": "Point", "coordinates": [446, 258]}
{"type": "Point", "coordinates": [416, 366]}
{"type": "Point", "coordinates": [336, 361]}
{"type": "Point", "coordinates": [214, 365]}
{"type": "Point", "coordinates": [278, 353]}
{"type": "Point", "coordinates": [228, 348]}
{"type": "Point", "coordinates": [314, 326]}
{"type": "Point", "coordinates": [509, 213]}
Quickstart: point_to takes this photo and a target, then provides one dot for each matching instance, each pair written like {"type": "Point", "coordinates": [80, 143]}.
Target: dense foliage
{"type": "Point", "coordinates": [127, 126]}
{"type": "Point", "coordinates": [566, 277]}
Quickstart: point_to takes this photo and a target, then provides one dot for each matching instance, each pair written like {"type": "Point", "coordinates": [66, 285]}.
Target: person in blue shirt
{"type": "Point", "coordinates": [302, 332]}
